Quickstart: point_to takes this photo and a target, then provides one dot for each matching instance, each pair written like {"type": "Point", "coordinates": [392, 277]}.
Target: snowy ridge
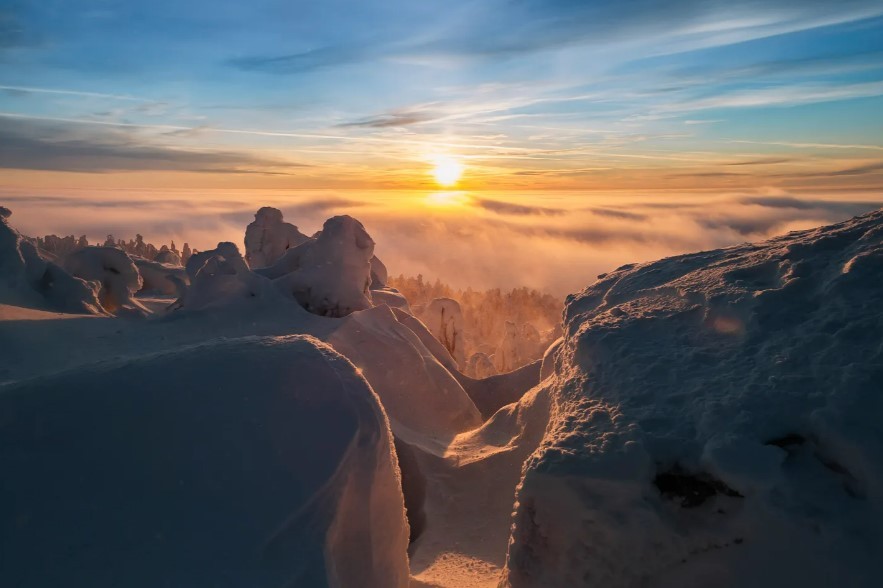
{"type": "Point", "coordinates": [716, 422]}
{"type": "Point", "coordinates": [257, 461]}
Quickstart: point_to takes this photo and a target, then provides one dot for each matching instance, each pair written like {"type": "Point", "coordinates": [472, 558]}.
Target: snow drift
{"type": "Point", "coordinates": [252, 462]}
{"type": "Point", "coordinates": [716, 421]}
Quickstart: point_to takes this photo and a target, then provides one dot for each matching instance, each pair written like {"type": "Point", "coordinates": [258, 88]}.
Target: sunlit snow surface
{"type": "Point", "coordinates": [708, 419]}
{"type": "Point", "coordinates": [716, 421]}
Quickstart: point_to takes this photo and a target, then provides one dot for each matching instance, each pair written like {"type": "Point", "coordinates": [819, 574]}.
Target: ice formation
{"type": "Point", "coordinates": [258, 462]}
{"type": "Point", "coordinates": [716, 422]}
{"type": "Point", "coordinates": [115, 273]}
{"type": "Point", "coordinates": [268, 237]}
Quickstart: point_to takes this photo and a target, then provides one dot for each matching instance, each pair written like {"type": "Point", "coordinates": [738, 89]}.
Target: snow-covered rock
{"type": "Point", "coordinates": [250, 462]}
{"type": "Point", "coordinates": [445, 321]}
{"type": "Point", "coordinates": [329, 275]}
{"type": "Point", "coordinates": [115, 273]}
{"type": "Point", "coordinates": [28, 279]}
{"type": "Point", "coordinates": [268, 237]}
{"type": "Point", "coordinates": [716, 421]}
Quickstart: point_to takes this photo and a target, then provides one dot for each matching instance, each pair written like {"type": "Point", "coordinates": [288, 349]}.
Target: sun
{"type": "Point", "coordinates": [447, 171]}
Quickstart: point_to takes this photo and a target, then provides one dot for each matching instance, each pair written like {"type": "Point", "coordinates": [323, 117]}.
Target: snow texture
{"type": "Point", "coordinates": [716, 421]}
{"type": "Point", "coordinates": [30, 280]}
{"type": "Point", "coordinates": [329, 275]}
{"type": "Point", "coordinates": [115, 273]}
{"type": "Point", "coordinates": [268, 237]}
{"type": "Point", "coordinates": [253, 462]}
{"type": "Point", "coordinates": [161, 278]}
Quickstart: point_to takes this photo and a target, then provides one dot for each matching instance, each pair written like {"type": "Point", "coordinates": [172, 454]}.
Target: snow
{"type": "Point", "coordinates": [115, 273]}
{"type": "Point", "coordinates": [268, 237]}
{"type": "Point", "coordinates": [254, 462]}
{"type": "Point", "coordinates": [330, 275]}
{"type": "Point", "coordinates": [425, 398]}
{"type": "Point", "coordinates": [160, 278]}
{"type": "Point", "coordinates": [716, 422]}
{"type": "Point", "coordinates": [445, 321]}
{"type": "Point", "coordinates": [28, 279]}
{"type": "Point", "coordinates": [708, 419]}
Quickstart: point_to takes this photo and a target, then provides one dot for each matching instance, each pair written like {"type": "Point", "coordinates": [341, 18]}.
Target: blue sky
{"type": "Point", "coordinates": [530, 94]}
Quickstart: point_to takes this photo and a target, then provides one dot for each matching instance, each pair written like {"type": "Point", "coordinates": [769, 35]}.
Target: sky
{"type": "Point", "coordinates": [556, 110]}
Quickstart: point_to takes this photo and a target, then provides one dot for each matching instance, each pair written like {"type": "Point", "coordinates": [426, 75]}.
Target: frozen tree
{"type": "Point", "coordinates": [445, 321]}
{"type": "Point", "coordinates": [115, 273]}
{"type": "Point", "coordinates": [329, 275]}
{"type": "Point", "coordinates": [268, 237]}
{"type": "Point", "coordinates": [480, 366]}
{"type": "Point", "coordinates": [167, 256]}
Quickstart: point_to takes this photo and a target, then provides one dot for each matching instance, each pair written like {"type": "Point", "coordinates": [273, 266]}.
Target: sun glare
{"type": "Point", "coordinates": [447, 171]}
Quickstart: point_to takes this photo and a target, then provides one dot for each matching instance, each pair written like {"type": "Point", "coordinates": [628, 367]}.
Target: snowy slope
{"type": "Point", "coordinates": [253, 462]}
{"type": "Point", "coordinates": [716, 421]}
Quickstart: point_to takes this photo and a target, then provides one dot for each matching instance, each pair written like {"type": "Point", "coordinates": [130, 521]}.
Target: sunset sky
{"type": "Point", "coordinates": [106, 98]}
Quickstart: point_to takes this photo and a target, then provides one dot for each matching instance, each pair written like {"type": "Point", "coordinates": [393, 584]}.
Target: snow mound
{"type": "Point", "coordinates": [115, 273]}
{"type": "Point", "coordinates": [28, 279]}
{"type": "Point", "coordinates": [716, 421]}
{"type": "Point", "coordinates": [268, 237]}
{"type": "Point", "coordinates": [220, 278]}
{"type": "Point", "coordinates": [161, 278]}
{"type": "Point", "coordinates": [417, 391]}
{"type": "Point", "coordinates": [329, 275]}
{"type": "Point", "coordinates": [251, 462]}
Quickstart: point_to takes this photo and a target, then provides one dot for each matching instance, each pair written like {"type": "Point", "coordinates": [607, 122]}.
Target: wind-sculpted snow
{"type": "Point", "coordinates": [161, 278]}
{"type": "Point", "coordinates": [716, 421]}
{"type": "Point", "coordinates": [29, 279]}
{"type": "Point", "coordinates": [252, 462]}
{"type": "Point", "coordinates": [114, 272]}
{"type": "Point", "coordinates": [330, 275]}
{"type": "Point", "coordinates": [424, 397]}
{"type": "Point", "coordinates": [268, 237]}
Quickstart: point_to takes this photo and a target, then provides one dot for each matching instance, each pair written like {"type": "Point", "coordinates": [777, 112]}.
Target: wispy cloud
{"type": "Point", "coordinates": [58, 147]}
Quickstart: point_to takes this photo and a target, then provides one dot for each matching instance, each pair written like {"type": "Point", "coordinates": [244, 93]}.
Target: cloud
{"type": "Point", "coordinates": [392, 119]}
{"type": "Point", "coordinates": [509, 28]}
{"type": "Point", "coordinates": [559, 253]}
{"type": "Point", "coordinates": [26, 144]}
{"type": "Point", "coordinates": [303, 62]}
{"type": "Point", "coordinates": [500, 207]}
